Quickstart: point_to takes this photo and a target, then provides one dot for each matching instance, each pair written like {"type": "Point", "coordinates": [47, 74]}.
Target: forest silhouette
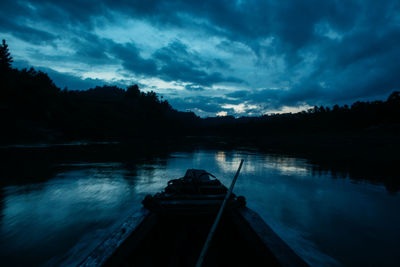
{"type": "Point", "coordinates": [33, 109]}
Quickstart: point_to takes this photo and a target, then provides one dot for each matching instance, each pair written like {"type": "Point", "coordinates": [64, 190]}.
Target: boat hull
{"type": "Point", "coordinates": [150, 239]}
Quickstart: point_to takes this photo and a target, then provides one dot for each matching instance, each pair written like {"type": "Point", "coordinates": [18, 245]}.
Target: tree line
{"type": "Point", "coordinates": [369, 116]}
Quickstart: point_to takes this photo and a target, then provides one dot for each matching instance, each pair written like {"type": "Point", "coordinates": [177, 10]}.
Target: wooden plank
{"type": "Point", "coordinates": [281, 251]}
{"type": "Point", "coordinates": [104, 251]}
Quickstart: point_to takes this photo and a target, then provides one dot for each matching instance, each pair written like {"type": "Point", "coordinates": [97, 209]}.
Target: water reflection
{"type": "Point", "coordinates": [36, 216]}
{"type": "Point", "coordinates": [287, 165]}
{"type": "Point", "coordinates": [327, 221]}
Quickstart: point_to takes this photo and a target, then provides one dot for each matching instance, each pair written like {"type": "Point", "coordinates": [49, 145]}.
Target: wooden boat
{"type": "Point", "coordinates": [173, 225]}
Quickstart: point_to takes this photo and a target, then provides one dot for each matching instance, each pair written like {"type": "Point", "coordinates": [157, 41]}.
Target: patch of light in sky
{"type": "Point", "coordinates": [288, 109]}
{"type": "Point", "coordinates": [324, 29]}
{"type": "Point", "coordinates": [267, 41]}
{"type": "Point", "coordinates": [106, 75]}
{"type": "Point", "coordinates": [222, 113]}
{"type": "Point", "coordinates": [161, 84]}
{"type": "Point", "coordinates": [240, 108]}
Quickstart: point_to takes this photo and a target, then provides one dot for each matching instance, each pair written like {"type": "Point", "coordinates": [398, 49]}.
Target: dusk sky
{"type": "Point", "coordinates": [214, 57]}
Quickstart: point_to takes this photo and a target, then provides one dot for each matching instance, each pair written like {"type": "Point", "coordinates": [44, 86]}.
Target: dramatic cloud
{"type": "Point", "coordinates": [181, 65]}
{"type": "Point", "coordinates": [214, 56]}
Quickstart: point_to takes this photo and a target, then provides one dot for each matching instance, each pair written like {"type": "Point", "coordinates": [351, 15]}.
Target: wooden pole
{"type": "Point", "coordinates": [217, 219]}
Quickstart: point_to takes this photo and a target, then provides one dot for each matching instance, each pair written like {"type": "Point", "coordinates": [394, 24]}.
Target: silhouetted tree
{"type": "Point", "coordinates": [335, 108]}
{"type": "Point", "coordinates": [394, 97]}
{"type": "Point", "coordinates": [133, 91]}
{"type": "Point", "coordinates": [5, 57]}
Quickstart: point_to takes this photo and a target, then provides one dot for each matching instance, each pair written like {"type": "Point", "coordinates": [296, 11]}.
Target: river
{"type": "Point", "coordinates": [328, 220]}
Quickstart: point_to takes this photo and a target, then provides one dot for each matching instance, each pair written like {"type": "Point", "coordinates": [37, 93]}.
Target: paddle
{"type": "Point", "coordinates": [214, 226]}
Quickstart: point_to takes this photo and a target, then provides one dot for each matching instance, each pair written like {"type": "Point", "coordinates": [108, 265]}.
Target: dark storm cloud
{"type": "Point", "coordinates": [132, 61]}
{"type": "Point", "coordinates": [56, 12]}
{"type": "Point", "coordinates": [25, 32]}
{"type": "Point", "coordinates": [91, 49]}
{"type": "Point", "coordinates": [364, 64]}
{"type": "Point", "coordinates": [178, 64]}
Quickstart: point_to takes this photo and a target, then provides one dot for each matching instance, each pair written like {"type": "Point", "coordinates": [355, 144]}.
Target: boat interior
{"type": "Point", "coordinates": [176, 240]}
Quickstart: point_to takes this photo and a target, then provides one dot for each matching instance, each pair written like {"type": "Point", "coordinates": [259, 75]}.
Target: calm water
{"type": "Point", "coordinates": [326, 220]}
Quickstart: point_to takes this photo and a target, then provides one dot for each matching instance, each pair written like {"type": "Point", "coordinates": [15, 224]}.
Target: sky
{"type": "Point", "coordinates": [214, 57]}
